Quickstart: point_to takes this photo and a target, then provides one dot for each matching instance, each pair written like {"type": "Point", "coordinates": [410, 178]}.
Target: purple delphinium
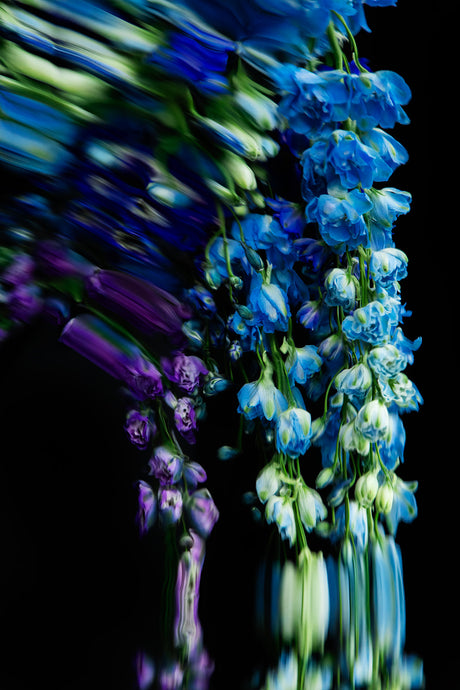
{"type": "Point", "coordinates": [166, 465]}
{"type": "Point", "coordinates": [185, 419]}
{"type": "Point", "coordinates": [147, 506]}
{"type": "Point", "coordinates": [169, 505]}
{"type": "Point", "coordinates": [146, 306]}
{"type": "Point", "coordinates": [185, 370]}
{"type": "Point", "coordinates": [139, 429]}
{"type": "Point", "coordinates": [143, 378]}
{"type": "Point", "coordinates": [201, 512]}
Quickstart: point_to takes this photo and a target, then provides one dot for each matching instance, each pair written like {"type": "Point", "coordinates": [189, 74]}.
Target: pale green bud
{"type": "Point", "coordinates": [352, 439]}
{"type": "Point", "coordinates": [268, 482]}
{"type": "Point", "coordinates": [384, 499]}
{"type": "Point", "coordinates": [373, 420]}
{"type": "Point", "coordinates": [240, 172]}
{"type": "Point", "coordinates": [325, 477]}
{"type": "Point", "coordinates": [366, 489]}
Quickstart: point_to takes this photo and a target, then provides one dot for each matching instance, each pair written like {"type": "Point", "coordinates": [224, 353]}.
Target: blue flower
{"type": "Point", "coordinates": [402, 392]}
{"type": "Point", "coordinates": [340, 219]}
{"type": "Point", "coordinates": [302, 363]}
{"type": "Point", "coordinates": [372, 420]}
{"type": "Point", "coordinates": [261, 399]}
{"type": "Point", "coordinates": [386, 360]}
{"type": "Point", "coordinates": [387, 266]}
{"type": "Point", "coordinates": [279, 509]}
{"type": "Point", "coordinates": [355, 381]}
{"type": "Point", "coordinates": [404, 507]}
{"type": "Point", "coordinates": [269, 305]}
{"type": "Point", "coordinates": [388, 204]}
{"type": "Point", "coordinates": [293, 432]}
{"type": "Point", "coordinates": [391, 448]}
{"type": "Point", "coordinates": [354, 162]}
{"type": "Point", "coordinates": [377, 99]}
{"type": "Point", "coordinates": [391, 152]}
{"type": "Point", "coordinates": [340, 289]}
{"type": "Point", "coordinates": [312, 103]}
{"type": "Point", "coordinates": [369, 324]}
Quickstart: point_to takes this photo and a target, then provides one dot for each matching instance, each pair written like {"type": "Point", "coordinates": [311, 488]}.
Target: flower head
{"type": "Point", "coordinates": [293, 431]}
{"type": "Point", "coordinates": [185, 370]}
{"type": "Point", "coordinates": [139, 429]}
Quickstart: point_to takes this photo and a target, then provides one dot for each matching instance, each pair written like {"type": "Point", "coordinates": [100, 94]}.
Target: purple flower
{"type": "Point", "coordinates": [147, 506]}
{"type": "Point", "coordinates": [185, 419]}
{"type": "Point", "coordinates": [193, 474]}
{"type": "Point", "coordinates": [91, 337]}
{"type": "Point", "coordinates": [170, 505]}
{"type": "Point", "coordinates": [187, 371]}
{"type": "Point", "coordinates": [201, 512]}
{"type": "Point", "coordinates": [165, 465]}
{"type": "Point", "coordinates": [24, 302]}
{"type": "Point", "coordinates": [143, 378]}
{"type": "Point", "coordinates": [146, 306]}
{"type": "Point", "coordinates": [139, 429]}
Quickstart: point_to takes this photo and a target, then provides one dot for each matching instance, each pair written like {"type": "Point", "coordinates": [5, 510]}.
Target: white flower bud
{"type": "Point", "coordinates": [366, 489]}
{"type": "Point", "coordinates": [384, 499]}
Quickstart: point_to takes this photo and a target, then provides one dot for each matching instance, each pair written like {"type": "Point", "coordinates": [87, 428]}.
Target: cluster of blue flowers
{"type": "Point", "coordinates": [148, 216]}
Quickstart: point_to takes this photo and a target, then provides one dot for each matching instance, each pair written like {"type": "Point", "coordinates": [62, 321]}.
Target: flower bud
{"type": "Point", "coordinates": [384, 499]}
{"type": "Point", "coordinates": [352, 439]}
{"type": "Point", "coordinates": [268, 482]}
{"type": "Point", "coordinates": [366, 489]}
{"type": "Point", "coordinates": [372, 420]}
{"type": "Point", "coordinates": [325, 477]}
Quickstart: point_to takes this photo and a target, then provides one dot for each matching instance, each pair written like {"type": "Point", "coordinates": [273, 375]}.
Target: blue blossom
{"type": "Point", "coordinates": [354, 162]}
{"type": "Point", "coordinates": [261, 398]}
{"type": "Point", "coordinates": [369, 324]}
{"type": "Point", "coordinates": [279, 509]}
{"type": "Point", "coordinates": [355, 381]}
{"type": "Point", "coordinates": [388, 204]}
{"type": "Point", "coordinates": [313, 103]}
{"type": "Point", "coordinates": [391, 448]}
{"type": "Point", "coordinates": [402, 392]}
{"type": "Point", "coordinates": [302, 363]}
{"type": "Point", "coordinates": [386, 360]}
{"type": "Point", "coordinates": [405, 346]}
{"type": "Point", "coordinates": [404, 507]}
{"type": "Point", "coordinates": [269, 305]}
{"type": "Point", "coordinates": [263, 231]}
{"type": "Point", "coordinates": [340, 219]}
{"type": "Point", "coordinates": [340, 289]}
{"type": "Point", "coordinates": [288, 214]}
{"type": "Point", "coordinates": [372, 420]}
{"type": "Point", "coordinates": [293, 431]}
{"type": "Point", "coordinates": [388, 266]}
{"type": "Point", "coordinates": [390, 151]}
{"type": "Point", "coordinates": [377, 99]}
{"type": "Point", "coordinates": [357, 525]}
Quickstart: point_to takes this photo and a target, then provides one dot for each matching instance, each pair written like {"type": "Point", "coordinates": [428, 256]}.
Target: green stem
{"type": "Point", "coordinates": [335, 45]}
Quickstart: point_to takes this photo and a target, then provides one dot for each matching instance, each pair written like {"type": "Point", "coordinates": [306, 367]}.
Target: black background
{"type": "Point", "coordinates": [79, 591]}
